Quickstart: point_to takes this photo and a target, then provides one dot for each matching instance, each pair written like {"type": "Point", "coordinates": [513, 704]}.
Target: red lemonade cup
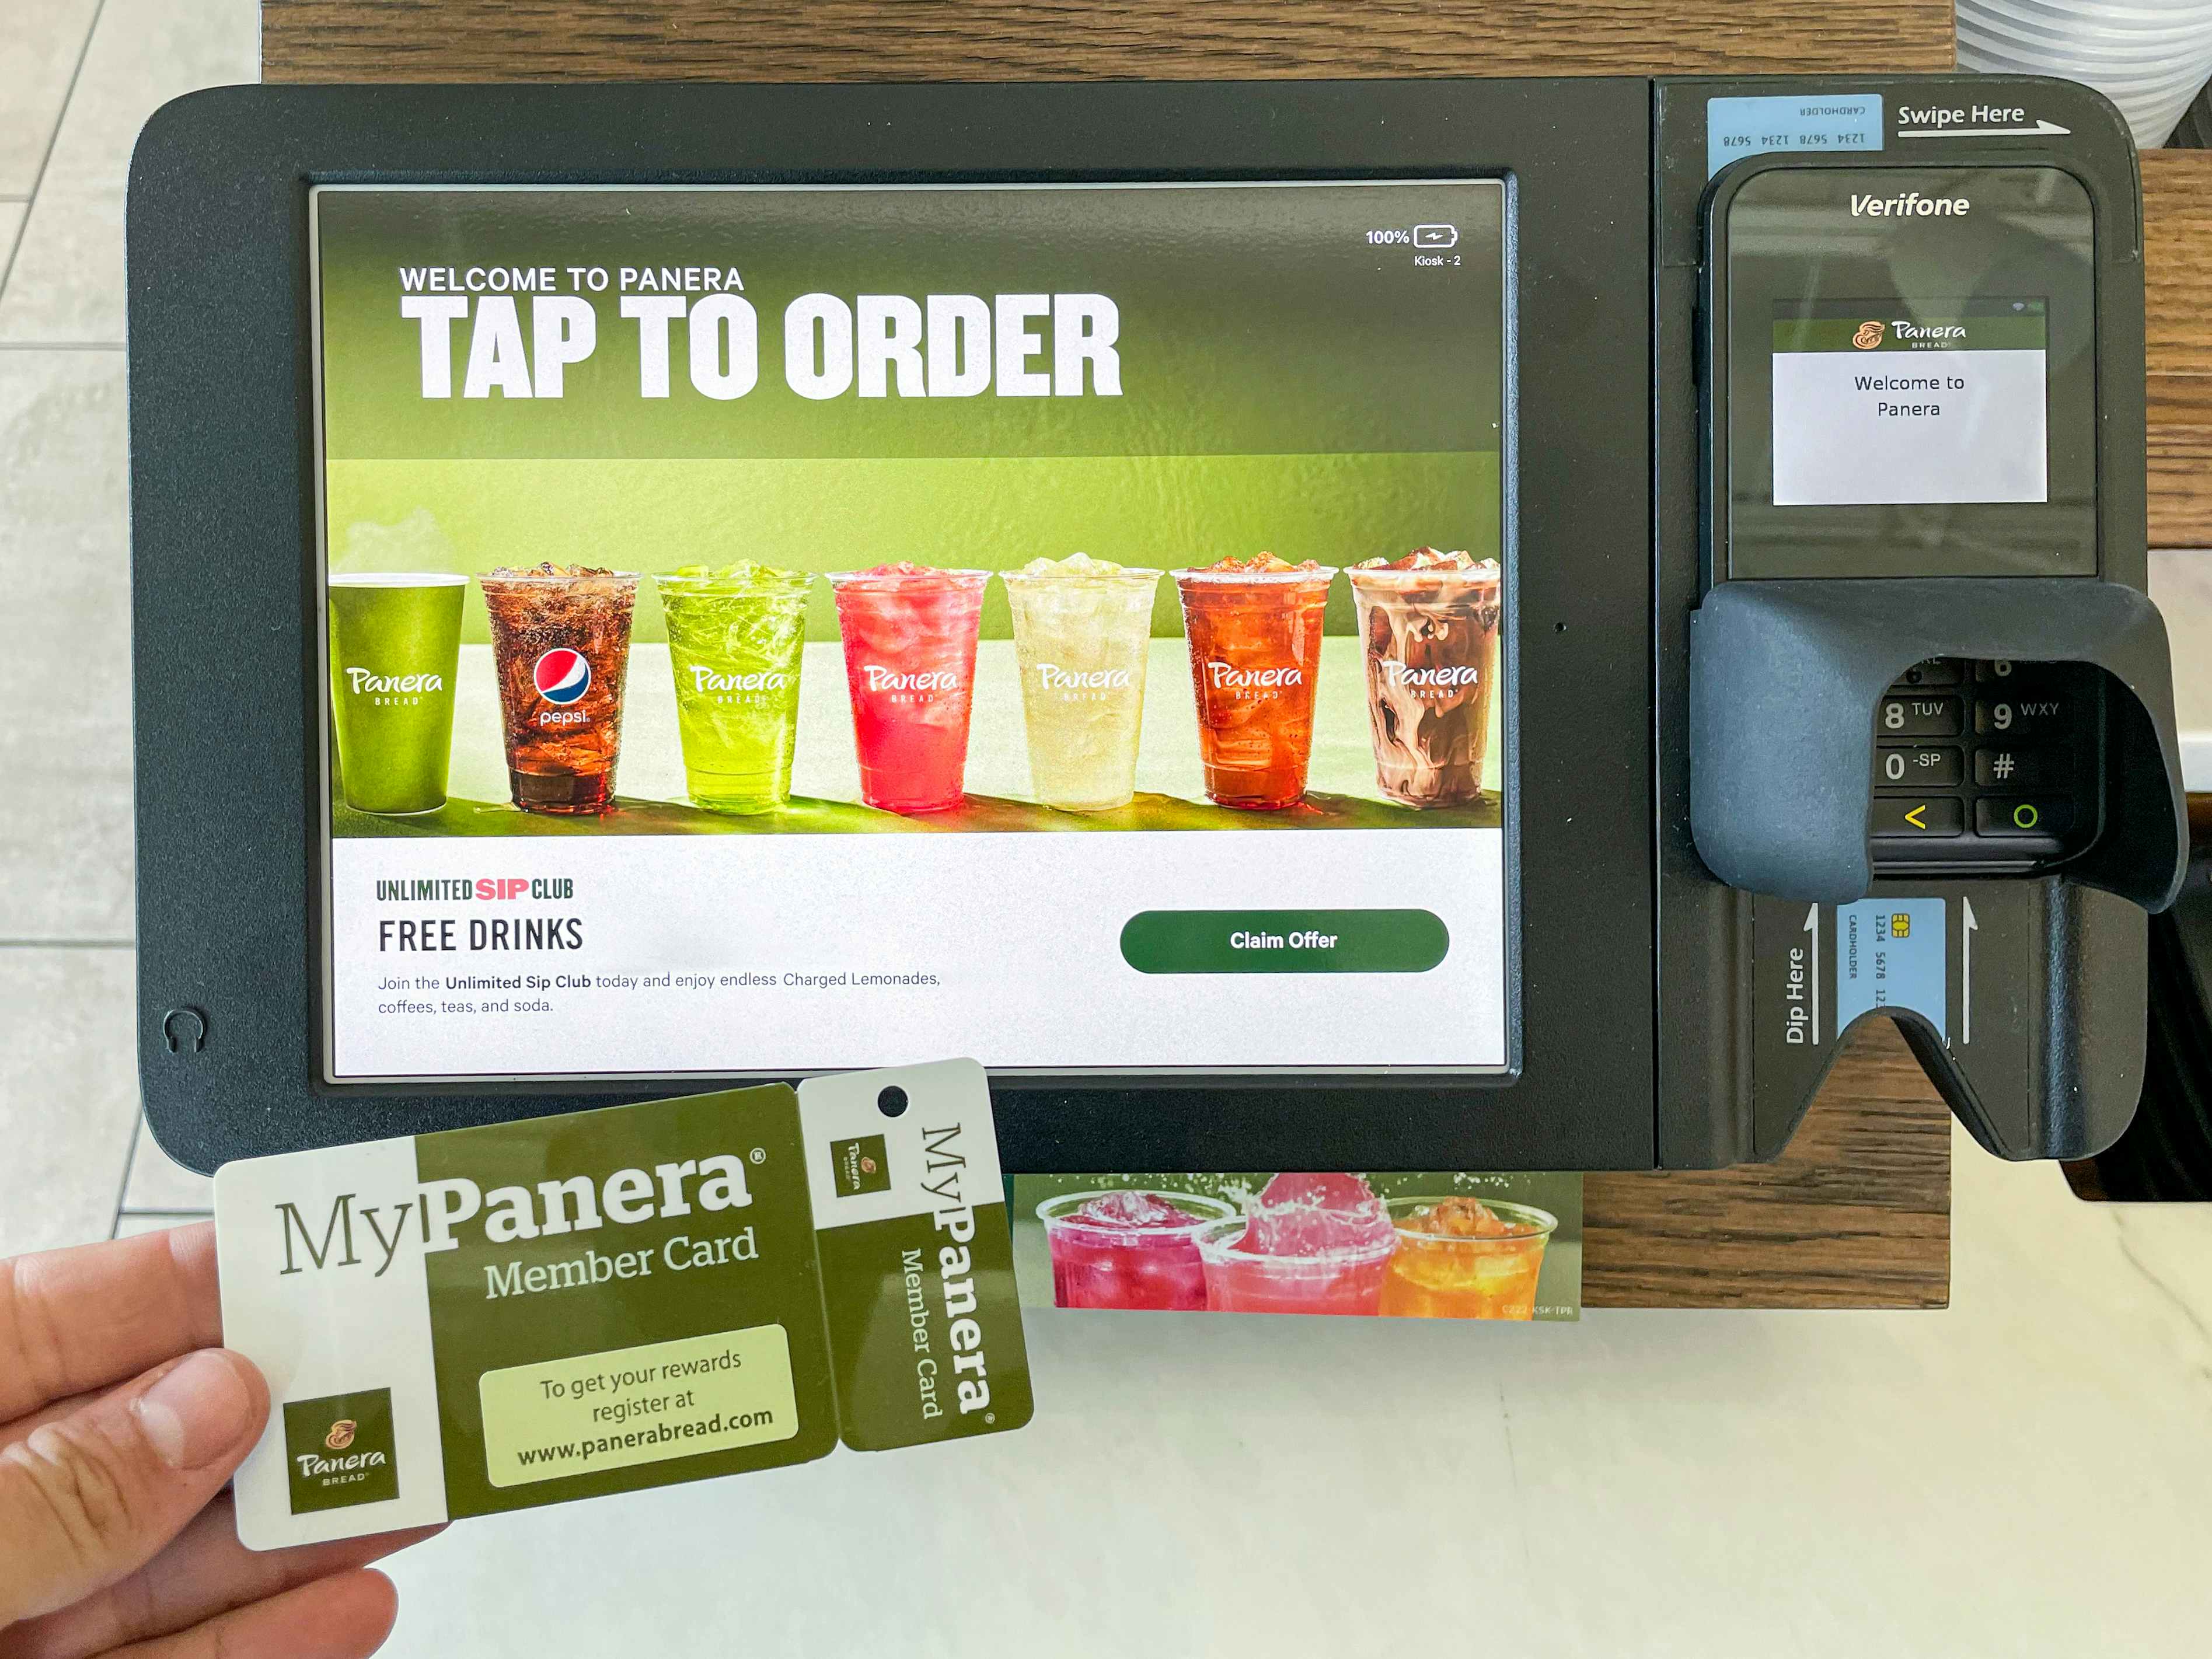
{"type": "Point", "coordinates": [909, 635]}
{"type": "Point", "coordinates": [1310, 1244]}
{"type": "Point", "coordinates": [1129, 1248]}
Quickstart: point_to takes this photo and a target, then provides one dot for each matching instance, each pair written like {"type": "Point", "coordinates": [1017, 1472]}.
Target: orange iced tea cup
{"type": "Point", "coordinates": [1461, 1259]}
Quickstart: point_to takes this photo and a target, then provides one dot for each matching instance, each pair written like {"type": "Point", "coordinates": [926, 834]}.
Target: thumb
{"type": "Point", "coordinates": [88, 1497]}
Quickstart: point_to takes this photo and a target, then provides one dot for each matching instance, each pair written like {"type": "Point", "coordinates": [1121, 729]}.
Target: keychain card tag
{"type": "Point", "coordinates": [917, 1258]}
{"type": "Point", "coordinates": [527, 1313]}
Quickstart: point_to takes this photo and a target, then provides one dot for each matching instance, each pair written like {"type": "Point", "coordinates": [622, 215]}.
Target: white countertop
{"type": "Point", "coordinates": [2181, 583]}
{"type": "Point", "coordinates": [2027, 1474]}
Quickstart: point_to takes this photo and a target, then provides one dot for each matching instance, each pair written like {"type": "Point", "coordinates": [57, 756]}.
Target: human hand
{"type": "Point", "coordinates": [121, 1419]}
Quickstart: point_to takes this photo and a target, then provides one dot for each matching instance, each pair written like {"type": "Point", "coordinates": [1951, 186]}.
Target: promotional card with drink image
{"type": "Point", "coordinates": [1406, 1244]}
{"type": "Point", "coordinates": [527, 1313]}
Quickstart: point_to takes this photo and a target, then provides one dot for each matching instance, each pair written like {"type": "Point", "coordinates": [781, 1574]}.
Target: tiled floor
{"type": "Point", "coordinates": [2026, 1475]}
{"type": "Point", "coordinates": [77, 77]}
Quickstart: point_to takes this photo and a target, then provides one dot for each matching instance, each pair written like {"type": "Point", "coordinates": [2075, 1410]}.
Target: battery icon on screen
{"type": "Point", "coordinates": [1436, 235]}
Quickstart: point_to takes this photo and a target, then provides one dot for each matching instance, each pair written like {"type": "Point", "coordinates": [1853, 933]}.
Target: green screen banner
{"type": "Point", "coordinates": [502, 324]}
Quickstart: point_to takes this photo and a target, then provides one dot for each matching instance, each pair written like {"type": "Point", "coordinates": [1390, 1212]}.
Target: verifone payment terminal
{"type": "Point", "coordinates": [1387, 625]}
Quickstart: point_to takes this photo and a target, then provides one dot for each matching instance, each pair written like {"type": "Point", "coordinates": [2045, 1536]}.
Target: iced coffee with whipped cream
{"type": "Point", "coordinates": [1428, 629]}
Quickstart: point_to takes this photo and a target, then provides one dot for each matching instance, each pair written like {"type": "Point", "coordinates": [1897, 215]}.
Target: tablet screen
{"type": "Point", "coordinates": [777, 628]}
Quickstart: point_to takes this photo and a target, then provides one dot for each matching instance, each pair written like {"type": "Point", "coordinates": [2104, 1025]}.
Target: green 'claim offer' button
{"type": "Point", "coordinates": [1285, 941]}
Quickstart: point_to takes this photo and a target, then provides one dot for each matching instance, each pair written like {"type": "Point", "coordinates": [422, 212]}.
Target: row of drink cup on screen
{"type": "Point", "coordinates": [1307, 1243]}
{"type": "Point", "coordinates": [1429, 625]}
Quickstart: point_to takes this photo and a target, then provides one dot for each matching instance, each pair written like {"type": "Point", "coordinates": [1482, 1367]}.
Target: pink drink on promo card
{"type": "Point", "coordinates": [1129, 1248]}
{"type": "Point", "coordinates": [1310, 1245]}
{"type": "Point", "coordinates": [909, 633]}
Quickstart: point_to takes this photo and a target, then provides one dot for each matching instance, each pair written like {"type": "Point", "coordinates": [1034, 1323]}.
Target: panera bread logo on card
{"type": "Point", "coordinates": [860, 1166]}
{"type": "Point", "coordinates": [339, 1450]}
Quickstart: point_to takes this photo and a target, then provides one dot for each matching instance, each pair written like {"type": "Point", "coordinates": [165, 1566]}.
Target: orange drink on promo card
{"type": "Point", "coordinates": [1461, 1258]}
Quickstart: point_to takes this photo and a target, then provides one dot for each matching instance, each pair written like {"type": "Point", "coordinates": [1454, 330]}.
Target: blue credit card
{"type": "Point", "coordinates": [1890, 953]}
{"type": "Point", "coordinates": [1828, 123]}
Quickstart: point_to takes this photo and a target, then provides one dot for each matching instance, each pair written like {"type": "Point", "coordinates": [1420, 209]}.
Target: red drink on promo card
{"type": "Point", "coordinates": [1310, 1244]}
{"type": "Point", "coordinates": [910, 636]}
{"type": "Point", "coordinates": [1129, 1248]}
{"type": "Point", "coordinates": [1254, 633]}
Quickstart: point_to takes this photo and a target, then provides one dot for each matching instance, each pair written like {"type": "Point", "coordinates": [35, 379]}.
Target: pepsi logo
{"type": "Point", "coordinates": [562, 675]}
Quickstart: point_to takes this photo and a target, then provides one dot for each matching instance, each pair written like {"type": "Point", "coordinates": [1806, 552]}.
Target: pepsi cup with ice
{"type": "Point", "coordinates": [560, 637]}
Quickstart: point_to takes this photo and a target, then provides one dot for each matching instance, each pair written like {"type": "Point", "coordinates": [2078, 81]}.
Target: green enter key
{"type": "Point", "coordinates": [1285, 941]}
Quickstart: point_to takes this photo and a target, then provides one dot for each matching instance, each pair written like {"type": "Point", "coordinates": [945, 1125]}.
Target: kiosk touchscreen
{"type": "Point", "coordinates": [863, 622]}
{"type": "Point", "coordinates": [1393, 625]}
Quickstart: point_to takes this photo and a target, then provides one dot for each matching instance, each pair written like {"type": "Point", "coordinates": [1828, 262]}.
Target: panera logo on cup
{"type": "Point", "coordinates": [1055, 678]}
{"type": "Point", "coordinates": [367, 683]}
{"type": "Point", "coordinates": [339, 1451]}
{"type": "Point", "coordinates": [1449, 677]}
{"type": "Point", "coordinates": [1222, 676]}
{"type": "Point", "coordinates": [704, 678]}
{"type": "Point", "coordinates": [921, 679]}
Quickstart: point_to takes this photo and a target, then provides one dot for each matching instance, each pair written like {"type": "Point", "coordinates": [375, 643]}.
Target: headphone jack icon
{"type": "Point", "coordinates": [185, 1030]}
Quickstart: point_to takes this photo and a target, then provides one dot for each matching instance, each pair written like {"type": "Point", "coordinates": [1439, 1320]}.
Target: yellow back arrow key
{"type": "Point", "coordinates": [1914, 818]}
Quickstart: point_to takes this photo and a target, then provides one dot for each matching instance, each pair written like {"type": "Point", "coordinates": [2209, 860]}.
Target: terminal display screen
{"type": "Point", "coordinates": [772, 629]}
{"type": "Point", "coordinates": [1876, 402]}
{"type": "Point", "coordinates": [1911, 380]}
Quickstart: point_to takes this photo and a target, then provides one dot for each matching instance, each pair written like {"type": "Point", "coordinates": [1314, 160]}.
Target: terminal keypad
{"type": "Point", "coordinates": [1988, 765]}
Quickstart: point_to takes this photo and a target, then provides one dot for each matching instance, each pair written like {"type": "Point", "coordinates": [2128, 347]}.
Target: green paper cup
{"type": "Point", "coordinates": [395, 651]}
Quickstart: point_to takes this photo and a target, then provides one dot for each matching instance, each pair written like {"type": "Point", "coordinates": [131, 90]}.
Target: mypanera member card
{"type": "Point", "coordinates": [917, 1261]}
{"type": "Point", "coordinates": [522, 1314]}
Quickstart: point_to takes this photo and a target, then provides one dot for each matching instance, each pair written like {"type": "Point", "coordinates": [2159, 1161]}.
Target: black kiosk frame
{"type": "Point", "coordinates": [1634, 979]}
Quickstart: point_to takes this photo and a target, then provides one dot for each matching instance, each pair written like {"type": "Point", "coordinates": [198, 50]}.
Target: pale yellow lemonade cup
{"type": "Point", "coordinates": [1083, 630]}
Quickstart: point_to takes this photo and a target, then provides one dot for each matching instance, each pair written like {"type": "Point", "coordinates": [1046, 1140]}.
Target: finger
{"type": "Point", "coordinates": [344, 1617]}
{"type": "Point", "coordinates": [206, 1572]}
{"type": "Point", "coordinates": [74, 1321]}
{"type": "Point", "coordinates": [90, 1497]}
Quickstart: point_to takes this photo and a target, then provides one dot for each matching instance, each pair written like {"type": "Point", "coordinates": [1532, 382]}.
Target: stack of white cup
{"type": "Point", "coordinates": [2149, 57]}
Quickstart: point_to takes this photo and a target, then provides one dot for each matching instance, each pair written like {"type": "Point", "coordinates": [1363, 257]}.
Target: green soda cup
{"type": "Point", "coordinates": [735, 639]}
{"type": "Point", "coordinates": [395, 651]}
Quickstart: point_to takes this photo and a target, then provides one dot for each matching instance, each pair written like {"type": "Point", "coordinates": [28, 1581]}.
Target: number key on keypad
{"type": "Point", "coordinates": [1936, 670]}
{"type": "Point", "coordinates": [1917, 717]}
{"type": "Point", "coordinates": [1918, 766]}
{"type": "Point", "coordinates": [2035, 715]}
